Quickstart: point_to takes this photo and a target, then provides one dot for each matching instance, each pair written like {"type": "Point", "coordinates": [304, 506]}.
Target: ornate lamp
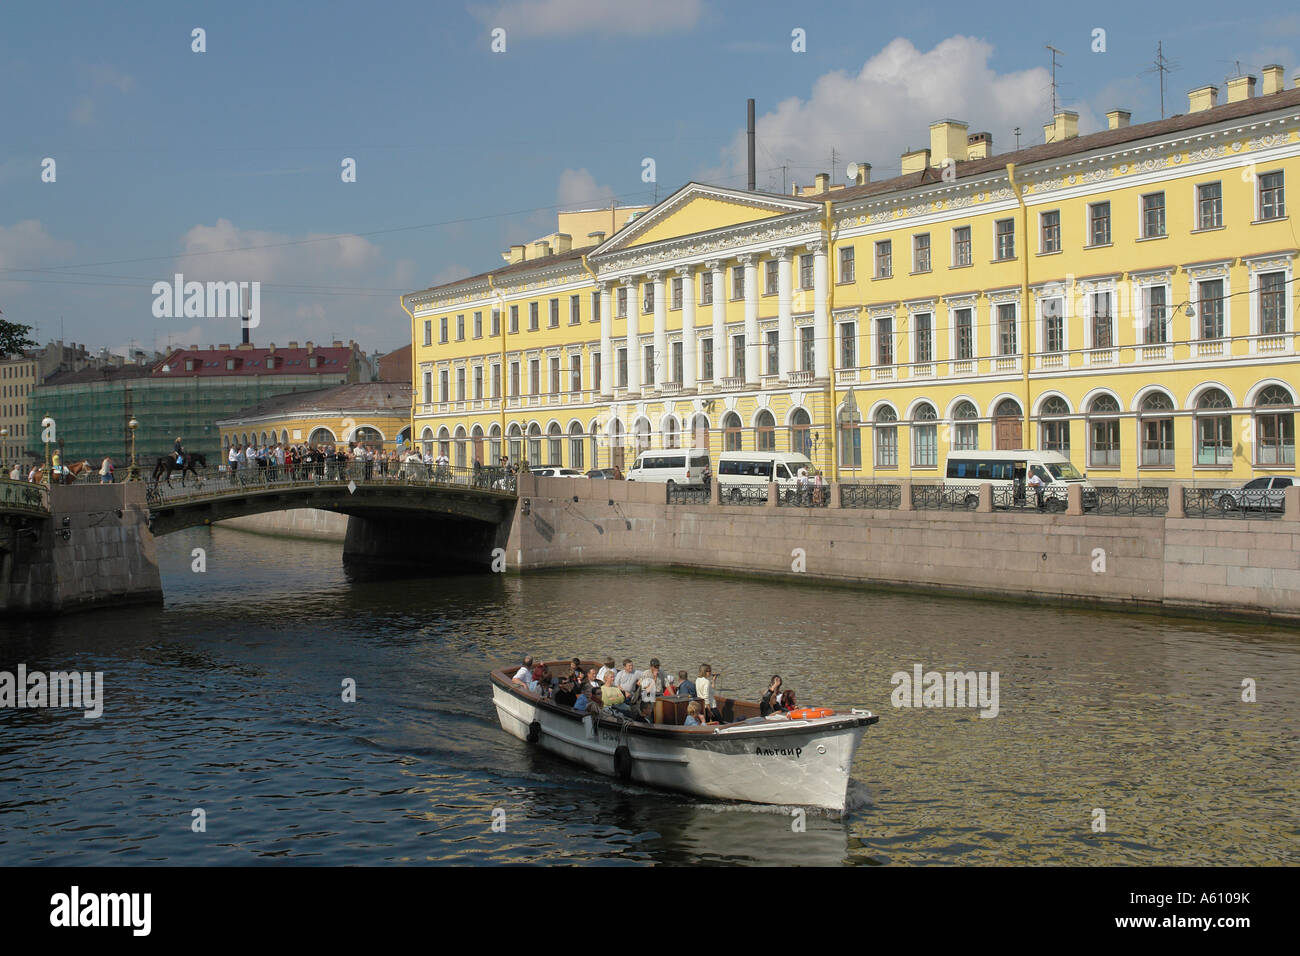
{"type": "Point", "coordinates": [133, 474]}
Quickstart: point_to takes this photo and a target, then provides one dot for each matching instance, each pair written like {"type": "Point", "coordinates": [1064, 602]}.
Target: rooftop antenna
{"type": "Point", "coordinates": [1162, 65]}
{"type": "Point", "coordinates": [833, 155]}
{"type": "Point", "coordinates": [1017, 139]}
{"type": "Point", "coordinates": [1055, 54]}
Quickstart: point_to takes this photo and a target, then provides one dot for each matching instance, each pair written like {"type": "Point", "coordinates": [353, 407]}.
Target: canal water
{"type": "Point", "coordinates": [1119, 739]}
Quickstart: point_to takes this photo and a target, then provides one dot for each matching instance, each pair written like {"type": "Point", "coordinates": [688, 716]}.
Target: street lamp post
{"type": "Point", "coordinates": [47, 426]}
{"type": "Point", "coordinates": [4, 447]}
{"type": "Point", "coordinates": [133, 474]}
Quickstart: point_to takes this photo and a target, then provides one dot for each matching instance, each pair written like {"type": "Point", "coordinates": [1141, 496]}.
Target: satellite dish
{"type": "Point", "coordinates": [852, 172]}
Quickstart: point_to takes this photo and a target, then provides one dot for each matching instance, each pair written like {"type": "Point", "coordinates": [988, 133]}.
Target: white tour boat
{"type": "Point", "coordinates": [799, 761]}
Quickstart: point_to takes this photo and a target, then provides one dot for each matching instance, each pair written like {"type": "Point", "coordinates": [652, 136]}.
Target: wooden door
{"type": "Point", "coordinates": [1007, 432]}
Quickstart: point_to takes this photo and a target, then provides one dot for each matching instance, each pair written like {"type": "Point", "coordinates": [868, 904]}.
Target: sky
{"type": "Point", "coordinates": [471, 124]}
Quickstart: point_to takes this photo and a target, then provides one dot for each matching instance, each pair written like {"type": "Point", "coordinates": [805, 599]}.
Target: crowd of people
{"type": "Point", "coordinates": [273, 462]}
{"type": "Point", "coordinates": [631, 693]}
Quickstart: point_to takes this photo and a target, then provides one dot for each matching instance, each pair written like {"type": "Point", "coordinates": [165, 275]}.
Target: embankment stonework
{"type": "Point", "coordinates": [307, 523]}
{"type": "Point", "coordinates": [1240, 567]}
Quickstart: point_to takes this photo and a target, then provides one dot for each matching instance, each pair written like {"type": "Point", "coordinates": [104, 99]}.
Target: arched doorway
{"type": "Point", "coordinates": [700, 432]}
{"type": "Point", "coordinates": [800, 434]}
{"type": "Point", "coordinates": [1007, 425]}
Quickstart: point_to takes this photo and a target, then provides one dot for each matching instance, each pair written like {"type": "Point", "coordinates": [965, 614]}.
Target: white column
{"type": "Point", "coordinates": [785, 319]}
{"type": "Point", "coordinates": [750, 262]}
{"type": "Point", "coordinates": [689, 374]}
{"type": "Point", "coordinates": [821, 337]}
{"type": "Point", "coordinates": [661, 329]}
{"type": "Point", "coordinates": [633, 342]}
{"type": "Point", "coordinates": [606, 343]}
{"type": "Point", "coordinates": [719, 321]}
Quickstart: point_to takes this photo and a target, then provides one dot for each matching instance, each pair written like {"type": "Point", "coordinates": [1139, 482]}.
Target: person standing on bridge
{"type": "Point", "coordinates": [106, 471]}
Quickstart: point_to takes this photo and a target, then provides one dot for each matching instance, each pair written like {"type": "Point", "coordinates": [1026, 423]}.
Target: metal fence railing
{"type": "Point", "coordinates": [743, 494]}
{"type": "Point", "coordinates": [878, 496]}
{"type": "Point", "coordinates": [1233, 503]}
{"type": "Point", "coordinates": [939, 498]}
{"type": "Point", "coordinates": [1153, 502]}
{"type": "Point", "coordinates": [688, 494]}
{"type": "Point", "coordinates": [24, 497]}
{"type": "Point", "coordinates": [809, 496]}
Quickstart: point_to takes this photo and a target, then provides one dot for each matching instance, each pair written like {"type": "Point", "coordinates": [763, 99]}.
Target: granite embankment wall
{"type": "Point", "coordinates": [308, 523]}
{"type": "Point", "coordinates": [1237, 567]}
{"type": "Point", "coordinates": [94, 551]}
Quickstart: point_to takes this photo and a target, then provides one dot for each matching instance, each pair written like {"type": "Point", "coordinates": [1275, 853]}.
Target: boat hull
{"type": "Point", "coordinates": [789, 762]}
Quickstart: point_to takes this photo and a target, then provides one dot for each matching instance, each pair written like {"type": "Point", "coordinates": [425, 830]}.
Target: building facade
{"type": "Point", "coordinates": [375, 414]}
{"type": "Point", "coordinates": [1126, 298]}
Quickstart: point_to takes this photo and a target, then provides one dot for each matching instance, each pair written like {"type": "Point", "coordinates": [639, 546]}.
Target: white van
{"type": "Point", "coordinates": [760, 467]}
{"type": "Point", "coordinates": [1009, 469]}
{"type": "Point", "coordinates": [673, 466]}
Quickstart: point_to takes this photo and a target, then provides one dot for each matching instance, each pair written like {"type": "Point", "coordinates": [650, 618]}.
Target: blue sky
{"type": "Point", "coordinates": [225, 165]}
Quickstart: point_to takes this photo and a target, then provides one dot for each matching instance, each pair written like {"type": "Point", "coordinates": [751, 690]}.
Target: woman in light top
{"type": "Point", "coordinates": [704, 689]}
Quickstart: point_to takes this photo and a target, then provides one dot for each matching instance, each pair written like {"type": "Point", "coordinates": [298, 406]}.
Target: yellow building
{"type": "Point", "coordinates": [376, 414]}
{"type": "Point", "coordinates": [19, 374]}
{"type": "Point", "coordinates": [1125, 297]}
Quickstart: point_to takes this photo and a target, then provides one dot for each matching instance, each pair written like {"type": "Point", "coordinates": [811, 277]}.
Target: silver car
{"type": "Point", "coordinates": [1264, 494]}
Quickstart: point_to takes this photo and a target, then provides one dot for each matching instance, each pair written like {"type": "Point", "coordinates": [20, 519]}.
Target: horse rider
{"type": "Point", "coordinates": [179, 449]}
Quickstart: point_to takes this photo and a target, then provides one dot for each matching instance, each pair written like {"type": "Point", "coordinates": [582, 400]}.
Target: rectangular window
{"type": "Point", "coordinates": [1054, 324]}
{"type": "Point", "coordinates": [496, 322]}
{"type": "Point", "coordinates": [460, 384]}
{"type": "Point", "coordinates": [648, 365]}
{"type": "Point", "coordinates": [1210, 305]}
{"type": "Point", "coordinates": [806, 271]}
{"type": "Point", "coordinates": [1153, 215]}
{"type": "Point", "coordinates": [846, 264]}
{"type": "Point", "coordinates": [848, 345]}
{"type": "Point", "coordinates": [478, 325]}
{"type": "Point", "coordinates": [770, 276]}
{"type": "Point", "coordinates": [676, 302]}
{"type": "Point", "coordinates": [534, 376]}
{"type": "Point", "coordinates": [595, 372]}
{"type": "Point", "coordinates": [648, 298]}
{"type": "Point", "coordinates": [555, 375]}
{"type": "Point", "coordinates": [807, 348]}
{"type": "Point", "coordinates": [575, 309]}
{"type": "Point", "coordinates": [622, 368]}
{"type": "Point", "coordinates": [1272, 303]}
{"type": "Point", "coordinates": [442, 329]}
{"type": "Point", "coordinates": [514, 319]}
{"type": "Point", "coordinates": [1272, 196]}
{"type": "Point", "coordinates": [1099, 224]}
{"type": "Point", "coordinates": [884, 341]}
{"type": "Point", "coordinates": [444, 386]}
{"type": "Point", "coordinates": [1004, 231]}
{"type": "Point", "coordinates": [884, 259]}
{"type": "Point", "coordinates": [738, 356]}
{"type": "Point", "coordinates": [428, 387]}
{"type": "Point", "coordinates": [921, 252]}
{"type": "Point", "coordinates": [961, 251]}
{"type": "Point", "coordinates": [460, 328]}
{"type": "Point", "coordinates": [1209, 206]}
{"type": "Point", "coordinates": [620, 299]}
{"type": "Point", "coordinates": [706, 288]}
{"type": "Point", "coordinates": [496, 381]}
{"type": "Point", "coordinates": [886, 446]}
{"type": "Point", "coordinates": [923, 326]}
{"type": "Point", "coordinates": [706, 360]}
{"type": "Point", "coordinates": [677, 362]}
{"type": "Point", "coordinates": [1050, 230]}
{"type": "Point", "coordinates": [534, 318]}
{"type": "Point", "coordinates": [478, 382]}
{"type": "Point", "coordinates": [1006, 328]}
{"type": "Point", "coordinates": [738, 282]}
{"type": "Point", "coordinates": [773, 352]}
{"type": "Point", "coordinates": [1157, 327]}
{"type": "Point", "coordinates": [965, 323]}
{"type": "Point", "coordinates": [850, 446]}
{"type": "Point", "coordinates": [428, 333]}
{"type": "Point", "coordinates": [595, 307]}
{"type": "Point", "coordinates": [554, 322]}
{"type": "Point", "coordinates": [1103, 323]}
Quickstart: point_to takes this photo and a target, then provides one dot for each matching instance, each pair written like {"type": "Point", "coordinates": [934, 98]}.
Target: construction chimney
{"type": "Point", "coordinates": [1202, 98]}
{"type": "Point", "coordinates": [1241, 88]}
{"type": "Point", "coordinates": [563, 242]}
{"type": "Point", "coordinates": [915, 160]}
{"type": "Point", "coordinates": [1274, 79]}
{"type": "Point", "coordinates": [821, 183]}
{"type": "Point", "coordinates": [1064, 125]}
{"type": "Point", "coordinates": [979, 146]}
{"type": "Point", "coordinates": [948, 141]}
{"type": "Point", "coordinates": [1118, 119]}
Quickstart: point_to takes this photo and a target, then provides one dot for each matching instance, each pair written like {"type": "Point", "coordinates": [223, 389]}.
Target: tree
{"type": "Point", "coordinates": [15, 337]}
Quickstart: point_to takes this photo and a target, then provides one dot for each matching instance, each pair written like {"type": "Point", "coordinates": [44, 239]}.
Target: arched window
{"type": "Point", "coordinates": [575, 446]}
{"type": "Point", "coordinates": [925, 437]}
{"type": "Point", "coordinates": [966, 432]}
{"type": "Point", "coordinates": [1213, 428]}
{"type": "Point", "coordinates": [476, 438]}
{"type": "Point", "coordinates": [426, 439]}
{"type": "Point", "coordinates": [731, 432]}
{"type": "Point", "coordinates": [1274, 427]}
{"type": "Point", "coordinates": [700, 432]}
{"type": "Point", "coordinates": [515, 443]}
{"type": "Point", "coordinates": [284, 436]}
{"type": "Point", "coordinates": [886, 429]}
{"type": "Point", "coordinates": [765, 426]}
{"type": "Point", "coordinates": [1054, 425]}
{"type": "Point", "coordinates": [494, 446]}
{"type": "Point", "coordinates": [1007, 424]}
{"type": "Point", "coordinates": [642, 431]}
{"type": "Point", "coordinates": [365, 435]}
{"type": "Point", "coordinates": [616, 444]}
{"type": "Point", "coordinates": [555, 445]}
{"type": "Point", "coordinates": [444, 442]}
{"type": "Point", "coordinates": [594, 443]}
{"type": "Point", "coordinates": [323, 436]}
{"type": "Point", "coordinates": [1103, 433]}
{"type": "Point", "coordinates": [1157, 430]}
{"type": "Point", "coordinates": [459, 460]}
{"type": "Point", "coordinates": [800, 432]}
{"type": "Point", "coordinates": [535, 445]}
{"type": "Point", "coordinates": [672, 432]}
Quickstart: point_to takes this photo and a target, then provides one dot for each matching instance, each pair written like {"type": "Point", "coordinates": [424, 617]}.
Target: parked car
{"type": "Point", "coordinates": [602, 473]}
{"type": "Point", "coordinates": [558, 473]}
{"type": "Point", "coordinates": [1264, 494]}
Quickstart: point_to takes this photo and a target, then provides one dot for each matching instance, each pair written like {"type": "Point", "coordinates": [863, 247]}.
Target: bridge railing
{"type": "Point", "coordinates": [24, 497]}
{"type": "Point", "coordinates": [368, 474]}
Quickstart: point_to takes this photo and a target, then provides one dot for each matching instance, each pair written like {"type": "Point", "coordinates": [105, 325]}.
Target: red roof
{"type": "Point", "coordinates": [209, 363]}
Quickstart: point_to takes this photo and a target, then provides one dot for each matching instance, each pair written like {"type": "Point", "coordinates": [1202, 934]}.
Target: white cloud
{"type": "Point", "coordinates": [578, 189]}
{"type": "Point", "coordinates": [27, 244]}
{"type": "Point", "coordinates": [887, 107]}
{"type": "Point", "coordinates": [577, 17]}
{"type": "Point", "coordinates": [105, 75]}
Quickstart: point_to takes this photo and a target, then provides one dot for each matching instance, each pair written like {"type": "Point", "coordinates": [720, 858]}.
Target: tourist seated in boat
{"type": "Point", "coordinates": [612, 697]}
{"type": "Point", "coordinates": [608, 666]}
{"type": "Point", "coordinates": [650, 686]}
{"type": "Point", "coordinates": [524, 675]}
{"type": "Point", "coordinates": [786, 698]}
{"type": "Point", "coordinates": [692, 715]}
{"type": "Point", "coordinates": [704, 685]}
{"type": "Point", "coordinates": [627, 679]}
{"type": "Point", "coordinates": [772, 699]}
{"type": "Point", "coordinates": [685, 686]}
{"type": "Point", "coordinates": [545, 682]}
{"type": "Point", "coordinates": [670, 685]}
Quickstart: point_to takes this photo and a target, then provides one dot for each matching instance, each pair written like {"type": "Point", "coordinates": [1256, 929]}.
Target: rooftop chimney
{"type": "Point", "coordinates": [861, 174]}
{"type": "Point", "coordinates": [821, 182]}
{"type": "Point", "coordinates": [596, 237]}
{"type": "Point", "coordinates": [310, 348]}
{"type": "Point", "coordinates": [224, 346]}
{"type": "Point", "coordinates": [293, 345]}
{"type": "Point", "coordinates": [1241, 88]}
{"type": "Point", "coordinates": [915, 160]}
{"type": "Point", "coordinates": [1064, 125]}
{"type": "Point", "coordinates": [194, 348]}
{"type": "Point", "coordinates": [563, 242]}
{"type": "Point", "coordinates": [517, 254]}
{"type": "Point", "coordinates": [1202, 98]}
{"type": "Point", "coordinates": [338, 344]}
{"type": "Point", "coordinates": [1274, 79]}
{"type": "Point", "coordinates": [979, 146]}
{"type": "Point", "coordinates": [541, 249]}
{"type": "Point", "coordinates": [948, 141]}
{"type": "Point", "coordinates": [1118, 119]}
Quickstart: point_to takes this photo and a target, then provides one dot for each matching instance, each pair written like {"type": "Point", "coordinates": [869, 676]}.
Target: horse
{"type": "Point", "coordinates": [167, 463]}
{"type": "Point", "coordinates": [66, 475]}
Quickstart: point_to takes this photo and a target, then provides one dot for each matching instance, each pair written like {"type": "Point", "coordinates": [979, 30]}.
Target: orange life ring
{"type": "Point", "coordinates": [810, 713]}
